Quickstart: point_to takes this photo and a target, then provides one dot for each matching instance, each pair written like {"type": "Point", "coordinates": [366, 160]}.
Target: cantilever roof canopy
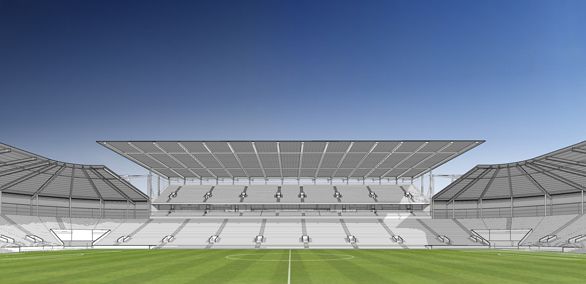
{"type": "Point", "coordinates": [24, 173]}
{"type": "Point", "coordinates": [291, 159]}
{"type": "Point", "coordinates": [559, 172]}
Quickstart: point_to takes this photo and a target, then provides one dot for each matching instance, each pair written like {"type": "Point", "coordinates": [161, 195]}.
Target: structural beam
{"type": "Point", "coordinates": [237, 159]}
{"type": "Point", "coordinates": [155, 159]}
{"type": "Point", "coordinates": [72, 182]}
{"type": "Point", "coordinates": [363, 159]}
{"type": "Point", "coordinates": [404, 159]}
{"type": "Point", "coordinates": [426, 158]}
{"type": "Point", "coordinates": [92, 184]}
{"type": "Point", "coordinates": [280, 159]}
{"type": "Point", "coordinates": [25, 168]}
{"type": "Point", "coordinates": [16, 162]}
{"type": "Point", "coordinates": [4, 151]}
{"type": "Point", "coordinates": [47, 182]}
{"type": "Point", "coordinates": [217, 160]}
{"type": "Point", "coordinates": [321, 159]}
{"type": "Point", "coordinates": [384, 160]}
{"type": "Point", "coordinates": [125, 182]}
{"type": "Point", "coordinates": [561, 168]}
{"type": "Point", "coordinates": [496, 171]}
{"type": "Point", "coordinates": [111, 185]}
{"type": "Point", "coordinates": [556, 177]}
{"type": "Point", "coordinates": [175, 159]}
{"type": "Point", "coordinates": [532, 180]}
{"type": "Point", "coordinates": [559, 160]}
{"type": "Point", "coordinates": [196, 160]}
{"type": "Point", "coordinates": [578, 150]}
{"type": "Point", "coordinates": [262, 168]}
{"type": "Point", "coordinates": [300, 160]}
{"type": "Point", "coordinates": [469, 185]}
{"type": "Point", "coordinates": [26, 177]}
{"type": "Point", "coordinates": [342, 159]}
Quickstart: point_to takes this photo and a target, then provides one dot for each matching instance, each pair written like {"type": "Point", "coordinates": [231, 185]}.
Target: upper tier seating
{"type": "Point", "coordinates": [313, 194]}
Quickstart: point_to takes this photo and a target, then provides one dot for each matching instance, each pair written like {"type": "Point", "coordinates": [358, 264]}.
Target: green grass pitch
{"type": "Point", "coordinates": [292, 266]}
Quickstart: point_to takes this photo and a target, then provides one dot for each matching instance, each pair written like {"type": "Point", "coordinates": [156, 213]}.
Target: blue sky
{"type": "Point", "coordinates": [510, 72]}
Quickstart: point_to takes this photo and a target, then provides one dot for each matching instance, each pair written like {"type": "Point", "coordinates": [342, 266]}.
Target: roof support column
{"type": "Point", "coordinates": [159, 185]}
{"type": "Point", "coordinates": [481, 209]}
{"type": "Point", "coordinates": [545, 205]}
{"type": "Point", "coordinates": [150, 185]}
{"type": "Point", "coordinates": [454, 209]}
{"type": "Point", "coordinates": [432, 209]}
{"type": "Point", "coordinates": [581, 207]}
{"type": "Point", "coordinates": [511, 207]}
{"type": "Point", "coordinates": [430, 184]}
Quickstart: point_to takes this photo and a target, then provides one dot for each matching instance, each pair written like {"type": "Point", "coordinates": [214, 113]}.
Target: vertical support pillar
{"type": "Point", "coordinates": [454, 209]}
{"type": "Point", "coordinates": [511, 207]}
{"type": "Point", "coordinates": [545, 205]}
{"type": "Point", "coordinates": [0, 201]}
{"type": "Point", "coordinates": [150, 209]}
{"type": "Point", "coordinates": [581, 207]}
{"type": "Point", "coordinates": [432, 209]}
{"type": "Point", "coordinates": [158, 185]}
{"type": "Point", "coordinates": [150, 185]}
{"type": "Point", "coordinates": [37, 205]}
{"type": "Point", "coordinates": [430, 183]}
{"type": "Point", "coordinates": [184, 181]}
{"type": "Point", "coordinates": [481, 209]}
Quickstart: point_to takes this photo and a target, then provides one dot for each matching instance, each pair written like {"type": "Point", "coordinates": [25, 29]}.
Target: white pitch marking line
{"type": "Point", "coordinates": [289, 272]}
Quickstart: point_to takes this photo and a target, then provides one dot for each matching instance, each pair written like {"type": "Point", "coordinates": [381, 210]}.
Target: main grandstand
{"type": "Point", "coordinates": [292, 195]}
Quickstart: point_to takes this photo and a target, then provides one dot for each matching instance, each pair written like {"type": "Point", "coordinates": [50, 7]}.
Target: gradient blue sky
{"type": "Point", "coordinates": [510, 72]}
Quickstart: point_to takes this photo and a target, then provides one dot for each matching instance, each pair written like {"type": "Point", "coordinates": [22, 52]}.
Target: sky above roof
{"type": "Point", "coordinates": [510, 72]}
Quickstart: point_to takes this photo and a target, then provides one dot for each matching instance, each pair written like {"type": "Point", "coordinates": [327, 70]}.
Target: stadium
{"type": "Point", "coordinates": [292, 141]}
{"type": "Point", "coordinates": [301, 211]}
